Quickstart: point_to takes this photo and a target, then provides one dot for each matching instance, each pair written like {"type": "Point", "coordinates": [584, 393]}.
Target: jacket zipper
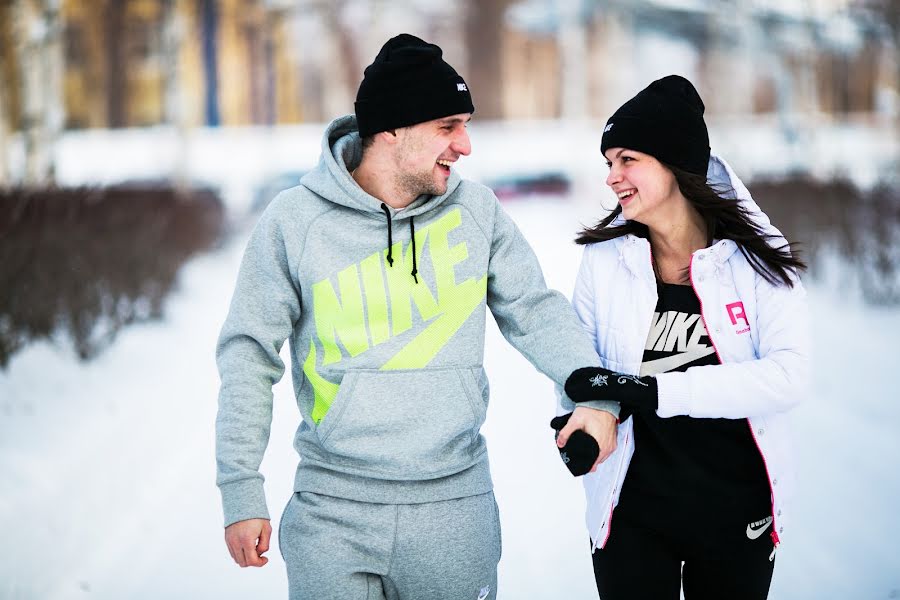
{"type": "Point", "coordinates": [622, 462]}
{"type": "Point", "coordinates": [774, 534]}
{"type": "Point", "coordinates": [612, 494]}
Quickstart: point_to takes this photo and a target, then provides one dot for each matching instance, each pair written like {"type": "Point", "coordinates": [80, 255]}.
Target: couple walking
{"type": "Point", "coordinates": [682, 349]}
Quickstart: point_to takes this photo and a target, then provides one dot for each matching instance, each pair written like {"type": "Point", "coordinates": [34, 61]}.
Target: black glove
{"type": "Point", "coordinates": [580, 452]}
{"type": "Point", "coordinates": [597, 383]}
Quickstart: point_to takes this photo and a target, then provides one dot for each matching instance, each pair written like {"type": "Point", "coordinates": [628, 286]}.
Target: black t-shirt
{"type": "Point", "coordinates": [682, 463]}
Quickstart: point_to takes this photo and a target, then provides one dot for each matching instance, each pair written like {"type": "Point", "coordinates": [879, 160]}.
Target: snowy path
{"type": "Point", "coordinates": [107, 468]}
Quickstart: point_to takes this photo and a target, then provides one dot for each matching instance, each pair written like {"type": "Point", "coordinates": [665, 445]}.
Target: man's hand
{"type": "Point", "coordinates": [599, 424]}
{"type": "Point", "coordinates": [248, 540]}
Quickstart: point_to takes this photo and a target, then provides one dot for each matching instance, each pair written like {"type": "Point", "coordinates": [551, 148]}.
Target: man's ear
{"type": "Point", "coordinates": [389, 135]}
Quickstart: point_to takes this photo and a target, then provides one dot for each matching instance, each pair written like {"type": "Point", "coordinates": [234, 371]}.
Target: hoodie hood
{"type": "Point", "coordinates": [341, 154]}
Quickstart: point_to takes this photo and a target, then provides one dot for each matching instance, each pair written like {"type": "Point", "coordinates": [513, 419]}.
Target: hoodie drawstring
{"type": "Point", "coordinates": [387, 213]}
{"type": "Point", "coordinates": [412, 233]}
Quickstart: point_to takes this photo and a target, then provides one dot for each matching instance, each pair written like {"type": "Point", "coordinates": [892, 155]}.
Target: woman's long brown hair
{"type": "Point", "coordinates": [725, 218]}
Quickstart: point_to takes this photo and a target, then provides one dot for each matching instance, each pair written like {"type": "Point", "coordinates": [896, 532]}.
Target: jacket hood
{"type": "Point", "coordinates": [341, 154]}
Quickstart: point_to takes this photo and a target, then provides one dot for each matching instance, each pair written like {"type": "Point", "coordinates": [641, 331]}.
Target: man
{"type": "Point", "coordinates": [379, 267]}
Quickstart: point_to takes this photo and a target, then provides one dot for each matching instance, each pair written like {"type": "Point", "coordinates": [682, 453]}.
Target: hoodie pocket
{"type": "Point", "coordinates": [415, 424]}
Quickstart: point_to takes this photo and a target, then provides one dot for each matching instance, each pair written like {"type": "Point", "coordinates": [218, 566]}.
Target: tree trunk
{"type": "Point", "coordinates": [4, 140]}
{"type": "Point", "coordinates": [210, 26]}
{"type": "Point", "coordinates": [6, 110]}
{"type": "Point", "coordinates": [38, 50]}
{"type": "Point", "coordinates": [53, 70]}
{"type": "Point", "coordinates": [26, 54]}
{"type": "Point", "coordinates": [340, 86]}
{"type": "Point", "coordinates": [175, 114]}
{"type": "Point", "coordinates": [572, 40]}
{"type": "Point", "coordinates": [172, 35]}
{"type": "Point", "coordinates": [116, 80]}
{"type": "Point", "coordinates": [484, 41]}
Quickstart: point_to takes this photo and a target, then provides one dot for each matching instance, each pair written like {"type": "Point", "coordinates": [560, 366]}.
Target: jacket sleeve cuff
{"type": "Point", "coordinates": [242, 500]}
{"type": "Point", "coordinates": [674, 394]}
{"type": "Point", "coordinates": [607, 405]}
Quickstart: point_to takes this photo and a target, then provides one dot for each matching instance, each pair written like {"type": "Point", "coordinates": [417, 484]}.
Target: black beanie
{"type": "Point", "coordinates": [409, 83]}
{"type": "Point", "coordinates": [664, 120]}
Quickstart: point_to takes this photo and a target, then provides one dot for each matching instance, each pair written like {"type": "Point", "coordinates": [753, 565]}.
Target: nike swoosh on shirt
{"type": "Point", "coordinates": [668, 363]}
{"type": "Point", "coordinates": [755, 533]}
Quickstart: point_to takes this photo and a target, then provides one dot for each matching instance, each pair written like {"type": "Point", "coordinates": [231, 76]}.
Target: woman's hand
{"type": "Point", "coordinates": [597, 383]}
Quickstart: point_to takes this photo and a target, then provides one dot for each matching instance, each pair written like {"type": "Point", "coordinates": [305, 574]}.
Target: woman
{"type": "Point", "coordinates": [696, 309]}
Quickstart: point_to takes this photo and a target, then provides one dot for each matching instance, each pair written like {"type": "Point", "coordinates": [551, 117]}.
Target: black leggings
{"type": "Point", "coordinates": [641, 561]}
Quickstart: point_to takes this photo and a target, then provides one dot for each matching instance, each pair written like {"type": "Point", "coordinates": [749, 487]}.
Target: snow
{"type": "Point", "coordinates": [108, 466]}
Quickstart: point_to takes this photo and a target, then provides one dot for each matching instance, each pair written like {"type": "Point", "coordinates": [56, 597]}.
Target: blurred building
{"type": "Point", "coordinates": [69, 64]}
{"type": "Point", "coordinates": [134, 63]}
{"type": "Point", "coordinates": [583, 58]}
{"type": "Point", "coordinates": [189, 62]}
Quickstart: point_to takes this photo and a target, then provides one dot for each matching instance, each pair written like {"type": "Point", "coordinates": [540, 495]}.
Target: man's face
{"type": "Point", "coordinates": [425, 152]}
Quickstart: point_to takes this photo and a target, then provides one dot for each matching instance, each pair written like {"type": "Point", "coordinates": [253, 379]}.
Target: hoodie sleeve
{"type": "Point", "coordinates": [539, 322]}
{"type": "Point", "coordinates": [264, 308]}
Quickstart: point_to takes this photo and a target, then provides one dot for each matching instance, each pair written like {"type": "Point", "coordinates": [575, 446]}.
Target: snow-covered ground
{"type": "Point", "coordinates": [108, 470]}
{"type": "Point", "coordinates": [107, 467]}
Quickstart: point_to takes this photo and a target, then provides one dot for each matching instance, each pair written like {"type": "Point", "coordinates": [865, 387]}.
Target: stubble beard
{"type": "Point", "coordinates": [416, 184]}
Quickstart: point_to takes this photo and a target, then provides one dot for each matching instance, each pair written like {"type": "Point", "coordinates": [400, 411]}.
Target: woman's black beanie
{"type": "Point", "coordinates": [409, 83]}
{"type": "Point", "coordinates": [665, 120]}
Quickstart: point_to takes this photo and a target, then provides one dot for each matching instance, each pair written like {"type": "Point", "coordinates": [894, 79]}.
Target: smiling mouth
{"type": "Point", "coordinates": [445, 164]}
{"type": "Point", "coordinates": [626, 194]}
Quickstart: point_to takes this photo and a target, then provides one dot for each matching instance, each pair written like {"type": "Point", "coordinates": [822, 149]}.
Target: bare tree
{"type": "Point", "coordinates": [889, 13]}
{"type": "Point", "coordinates": [572, 40]}
{"type": "Point", "coordinates": [343, 58]}
{"type": "Point", "coordinates": [53, 68]}
{"type": "Point", "coordinates": [38, 40]}
{"type": "Point", "coordinates": [116, 80]}
{"type": "Point", "coordinates": [175, 114]}
{"type": "Point", "coordinates": [4, 137]}
{"type": "Point", "coordinates": [4, 140]}
{"type": "Point", "coordinates": [6, 116]}
{"type": "Point", "coordinates": [484, 41]}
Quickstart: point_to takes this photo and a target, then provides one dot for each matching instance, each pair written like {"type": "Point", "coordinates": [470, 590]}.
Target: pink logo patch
{"type": "Point", "coordinates": [735, 313]}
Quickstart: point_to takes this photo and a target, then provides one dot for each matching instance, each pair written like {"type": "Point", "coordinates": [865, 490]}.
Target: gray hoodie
{"type": "Point", "coordinates": [386, 340]}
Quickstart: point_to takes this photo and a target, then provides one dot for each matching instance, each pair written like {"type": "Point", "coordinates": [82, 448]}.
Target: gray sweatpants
{"type": "Point", "coordinates": [337, 549]}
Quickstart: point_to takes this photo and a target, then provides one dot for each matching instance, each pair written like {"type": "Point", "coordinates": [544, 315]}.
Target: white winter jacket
{"type": "Point", "coordinates": [759, 332]}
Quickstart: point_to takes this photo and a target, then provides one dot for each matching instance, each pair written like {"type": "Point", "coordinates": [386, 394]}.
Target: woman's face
{"type": "Point", "coordinates": [642, 184]}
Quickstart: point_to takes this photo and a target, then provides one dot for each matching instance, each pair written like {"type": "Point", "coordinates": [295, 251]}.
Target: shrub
{"type": "Point", "coordinates": [90, 261]}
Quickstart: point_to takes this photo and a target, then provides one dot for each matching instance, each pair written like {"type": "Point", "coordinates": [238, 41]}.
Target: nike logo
{"type": "Point", "coordinates": [369, 303]}
{"type": "Point", "coordinates": [484, 592]}
{"type": "Point", "coordinates": [668, 363]}
{"type": "Point", "coordinates": [756, 529]}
